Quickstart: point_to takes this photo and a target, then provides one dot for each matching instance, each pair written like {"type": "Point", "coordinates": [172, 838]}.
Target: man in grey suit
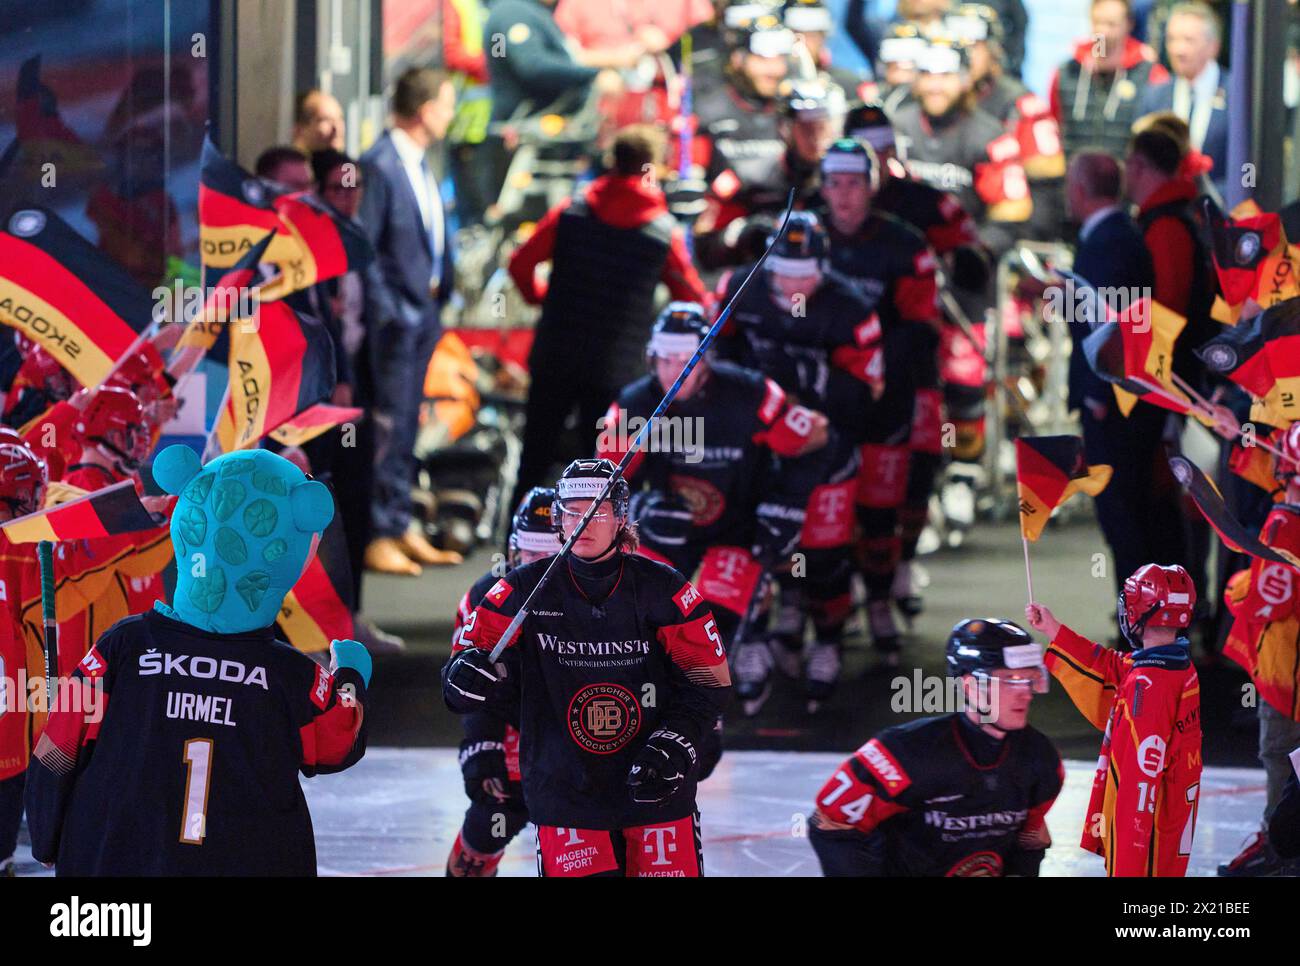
{"type": "Point", "coordinates": [403, 214]}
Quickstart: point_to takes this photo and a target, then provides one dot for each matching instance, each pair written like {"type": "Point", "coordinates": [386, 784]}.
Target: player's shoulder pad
{"type": "Point", "coordinates": [886, 759]}
{"type": "Point", "coordinates": [478, 590]}
{"type": "Point", "coordinates": [1168, 657]}
{"type": "Point", "coordinates": [664, 581]}
{"type": "Point", "coordinates": [636, 394]}
{"type": "Point", "coordinates": [902, 233]}
{"type": "Point", "coordinates": [737, 378]}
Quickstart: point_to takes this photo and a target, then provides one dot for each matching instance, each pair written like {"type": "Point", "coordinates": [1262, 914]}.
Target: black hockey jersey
{"type": "Point", "coordinates": [746, 426]}
{"type": "Point", "coordinates": [828, 356]}
{"type": "Point", "coordinates": [940, 797]}
{"type": "Point", "coordinates": [970, 155]}
{"type": "Point", "coordinates": [190, 766]}
{"type": "Point", "coordinates": [609, 653]}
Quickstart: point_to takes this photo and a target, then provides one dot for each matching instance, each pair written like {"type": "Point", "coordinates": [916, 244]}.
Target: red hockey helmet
{"type": "Point", "coordinates": [1288, 464]}
{"type": "Point", "coordinates": [42, 371]}
{"type": "Point", "coordinates": [1155, 596]}
{"type": "Point", "coordinates": [115, 420]}
{"type": "Point", "coordinates": [22, 479]}
{"type": "Point", "coordinates": [142, 373]}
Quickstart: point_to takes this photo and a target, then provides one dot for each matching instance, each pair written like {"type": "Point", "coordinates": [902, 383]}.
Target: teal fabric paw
{"type": "Point", "coordinates": [352, 654]}
{"type": "Point", "coordinates": [231, 547]}
{"type": "Point", "coordinates": [251, 518]}
{"type": "Point", "coordinates": [208, 592]}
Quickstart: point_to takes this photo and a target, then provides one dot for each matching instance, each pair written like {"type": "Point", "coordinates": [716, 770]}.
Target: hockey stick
{"type": "Point", "coordinates": [517, 621]}
{"type": "Point", "coordinates": [45, 555]}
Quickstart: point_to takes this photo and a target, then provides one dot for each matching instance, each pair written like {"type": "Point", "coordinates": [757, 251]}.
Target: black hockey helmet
{"type": "Point", "coordinates": [979, 645]}
{"type": "Point", "coordinates": [756, 30]}
{"type": "Point", "coordinates": [943, 55]}
{"type": "Point", "coordinates": [585, 479]}
{"type": "Point", "coordinates": [807, 16]}
{"type": "Point", "coordinates": [802, 246]}
{"type": "Point", "coordinates": [533, 528]}
{"type": "Point", "coordinates": [678, 331]}
{"type": "Point", "coordinates": [870, 123]}
{"type": "Point", "coordinates": [973, 23]}
{"type": "Point", "coordinates": [849, 155]}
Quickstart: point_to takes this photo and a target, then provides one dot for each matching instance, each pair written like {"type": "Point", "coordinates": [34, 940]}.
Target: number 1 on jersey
{"type": "Point", "coordinates": [198, 763]}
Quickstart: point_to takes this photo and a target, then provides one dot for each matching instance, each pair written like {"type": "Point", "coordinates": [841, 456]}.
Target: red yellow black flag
{"type": "Point", "coordinates": [1050, 470]}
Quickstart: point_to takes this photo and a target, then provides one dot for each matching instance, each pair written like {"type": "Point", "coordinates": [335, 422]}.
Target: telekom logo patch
{"type": "Point", "coordinates": [884, 766]}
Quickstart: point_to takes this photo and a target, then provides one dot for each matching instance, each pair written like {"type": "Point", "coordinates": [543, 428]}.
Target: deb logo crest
{"type": "Point", "coordinates": [604, 717]}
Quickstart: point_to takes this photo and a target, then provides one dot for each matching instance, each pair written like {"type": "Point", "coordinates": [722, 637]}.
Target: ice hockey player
{"type": "Point", "coordinates": [1142, 813]}
{"type": "Point", "coordinates": [961, 794]}
{"type": "Point", "coordinates": [889, 263]}
{"type": "Point", "coordinates": [112, 438]}
{"type": "Point", "coordinates": [1265, 640]}
{"type": "Point", "coordinates": [744, 203]}
{"type": "Point", "coordinates": [203, 720]}
{"type": "Point", "coordinates": [726, 504]}
{"type": "Point", "coordinates": [820, 342]}
{"type": "Point", "coordinates": [619, 671]}
{"type": "Point", "coordinates": [489, 752]}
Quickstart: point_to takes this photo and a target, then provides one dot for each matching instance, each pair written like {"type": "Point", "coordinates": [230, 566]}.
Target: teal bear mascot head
{"type": "Point", "coordinates": [244, 528]}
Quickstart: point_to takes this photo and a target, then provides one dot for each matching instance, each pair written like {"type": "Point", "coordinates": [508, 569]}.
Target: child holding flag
{"type": "Point", "coordinates": [1142, 813]}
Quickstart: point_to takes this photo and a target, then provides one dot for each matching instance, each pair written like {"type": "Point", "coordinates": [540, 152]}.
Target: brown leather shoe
{"type": "Point", "coordinates": [385, 555]}
{"type": "Point", "coordinates": [415, 546]}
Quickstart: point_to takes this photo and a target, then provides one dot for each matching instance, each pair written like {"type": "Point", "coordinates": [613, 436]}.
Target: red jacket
{"type": "Point", "coordinates": [1172, 247]}
{"type": "Point", "coordinates": [623, 201]}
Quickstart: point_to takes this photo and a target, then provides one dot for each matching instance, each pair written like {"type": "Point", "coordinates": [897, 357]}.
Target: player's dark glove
{"type": "Point", "coordinates": [662, 519]}
{"type": "Point", "coordinates": [660, 768]}
{"type": "Point", "coordinates": [483, 766]}
{"type": "Point", "coordinates": [469, 680]}
{"type": "Point", "coordinates": [776, 533]}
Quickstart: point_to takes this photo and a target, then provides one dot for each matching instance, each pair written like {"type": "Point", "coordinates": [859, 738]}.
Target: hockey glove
{"type": "Point", "coordinates": [483, 766]}
{"type": "Point", "coordinates": [470, 679]}
{"type": "Point", "coordinates": [776, 533]}
{"type": "Point", "coordinates": [660, 768]}
{"type": "Point", "coordinates": [662, 519]}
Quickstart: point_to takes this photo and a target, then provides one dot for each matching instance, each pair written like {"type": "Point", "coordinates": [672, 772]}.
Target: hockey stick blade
{"type": "Point", "coordinates": [515, 622]}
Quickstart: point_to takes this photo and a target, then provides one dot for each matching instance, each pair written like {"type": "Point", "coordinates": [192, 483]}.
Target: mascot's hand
{"type": "Point", "coordinates": [351, 654]}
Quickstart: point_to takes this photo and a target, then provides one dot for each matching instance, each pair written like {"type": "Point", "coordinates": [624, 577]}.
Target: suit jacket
{"type": "Point", "coordinates": [1161, 98]}
{"type": "Point", "coordinates": [1112, 256]}
{"type": "Point", "coordinates": [390, 215]}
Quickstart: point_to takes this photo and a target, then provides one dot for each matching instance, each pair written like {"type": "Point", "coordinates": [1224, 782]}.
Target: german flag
{"type": "Point", "coordinates": [228, 297]}
{"type": "Point", "coordinates": [43, 136]}
{"type": "Point", "coordinates": [329, 245]}
{"type": "Point", "coordinates": [236, 212]}
{"type": "Point", "coordinates": [313, 421]}
{"type": "Point", "coordinates": [108, 512]}
{"type": "Point", "coordinates": [1240, 247]}
{"type": "Point", "coordinates": [1209, 501]}
{"type": "Point", "coordinates": [319, 608]}
{"type": "Point", "coordinates": [61, 291]}
{"type": "Point", "coordinates": [280, 365]}
{"type": "Point", "coordinates": [1104, 351]}
{"type": "Point", "coordinates": [1050, 470]}
{"type": "Point", "coordinates": [1149, 332]}
{"type": "Point", "coordinates": [1262, 356]}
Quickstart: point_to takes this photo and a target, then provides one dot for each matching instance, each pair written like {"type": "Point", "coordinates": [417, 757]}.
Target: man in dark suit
{"type": "Point", "coordinates": [403, 214]}
{"type": "Point", "coordinates": [1198, 90]}
{"type": "Point", "coordinates": [1139, 524]}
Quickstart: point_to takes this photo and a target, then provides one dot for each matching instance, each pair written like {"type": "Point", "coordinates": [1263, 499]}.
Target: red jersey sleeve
{"type": "Point", "coordinates": [537, 249]}
{"type": "Point", "coordinates": [1089, 673]}
{"type": "Point", "coordinates": [863, 792]}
